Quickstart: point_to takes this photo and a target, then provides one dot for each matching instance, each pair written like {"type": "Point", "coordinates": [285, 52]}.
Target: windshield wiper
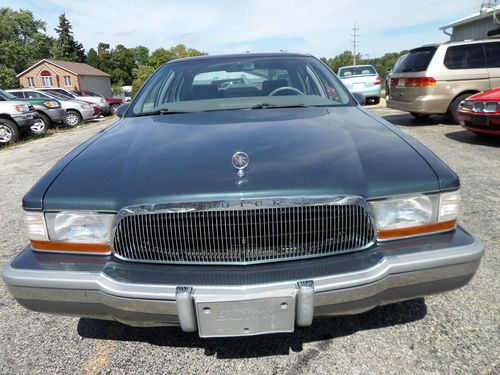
{"type": "Point", "coordinates": [163, 111]}
{"type": "Point", "coordinates": [269, 105]}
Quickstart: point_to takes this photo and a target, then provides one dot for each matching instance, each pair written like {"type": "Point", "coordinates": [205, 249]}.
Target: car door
{"type": "Point", "coordinates": [493, 62]}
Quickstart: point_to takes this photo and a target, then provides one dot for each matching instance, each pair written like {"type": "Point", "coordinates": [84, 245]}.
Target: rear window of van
{"type": "Point", "coordinates": [417, 60]}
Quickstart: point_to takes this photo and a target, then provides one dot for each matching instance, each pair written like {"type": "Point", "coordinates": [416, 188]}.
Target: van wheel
{"type": "Point", "coordinates": [9, 132]}
{"type": "Point", "coordinates": [420, 116]}
{"type": "Point", "coordinates": [41, 125]}
{"type": "Point", "coordinates": [454, 107]}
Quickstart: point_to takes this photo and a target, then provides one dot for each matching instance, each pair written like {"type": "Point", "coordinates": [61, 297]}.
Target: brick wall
{"type": "Point", "coordinates": [57, 74]}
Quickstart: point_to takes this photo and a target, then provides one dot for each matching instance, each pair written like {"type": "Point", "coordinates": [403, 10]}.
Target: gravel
{"type": "Point", "coordinates": [456, 332]}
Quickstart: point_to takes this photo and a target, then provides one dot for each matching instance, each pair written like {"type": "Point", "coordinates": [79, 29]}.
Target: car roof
{"type": "Point", "coordinates": [241, 56]}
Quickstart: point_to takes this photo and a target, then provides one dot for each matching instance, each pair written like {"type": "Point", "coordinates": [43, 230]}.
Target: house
{"type": "Point", "coordinates": [68, 75]}
{"type": "Point", "coordinates": [479, 25]}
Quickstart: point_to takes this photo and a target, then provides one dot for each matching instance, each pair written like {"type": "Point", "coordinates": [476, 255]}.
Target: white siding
{"type": "Point", "coordinates": [474, 30]}
{"type": "Point", "coordinates": [101, 85]}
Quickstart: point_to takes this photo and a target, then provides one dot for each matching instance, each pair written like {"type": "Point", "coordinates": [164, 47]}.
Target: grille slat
{"type": "Point", "coordinates": [234, 236]}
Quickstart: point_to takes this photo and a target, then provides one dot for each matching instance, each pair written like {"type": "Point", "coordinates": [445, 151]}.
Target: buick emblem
{"type": "Point", "coordinates": [240, 161]}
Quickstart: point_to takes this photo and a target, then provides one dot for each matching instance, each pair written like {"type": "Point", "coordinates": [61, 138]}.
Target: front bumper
{"type": "Point", "coordinates": [87, 113]}
{"type": "Point", "coordinates": [157, 295]}
{"type": "Point", "coordinates": [25, 119]}
{"type": "Point", "coordinates": [56, 114]}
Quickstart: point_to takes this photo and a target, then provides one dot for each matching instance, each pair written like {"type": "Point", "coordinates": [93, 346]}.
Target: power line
{"type": "Point", "coordinates": [355, 41]}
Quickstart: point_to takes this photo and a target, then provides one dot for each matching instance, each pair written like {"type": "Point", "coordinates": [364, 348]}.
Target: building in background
{"type": "Point", "coordinates": [479, 25]}
{"type": "Point", "coordinates": [68, 75]}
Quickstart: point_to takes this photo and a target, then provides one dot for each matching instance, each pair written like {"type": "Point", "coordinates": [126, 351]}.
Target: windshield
{"type": "Point", "coordinates": [4, 95]}
{"type": "Point", "coordinates": [357, 71]}
{"type": "Point", "coordinates": [58, 95]}
{"type": "Point", "coordinates": [416, 61]}
{"type": "Point", "coordinates": [230, 83]}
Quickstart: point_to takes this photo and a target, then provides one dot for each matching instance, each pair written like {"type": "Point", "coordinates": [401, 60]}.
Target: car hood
{"type": "Point", "coordinates": [188, 157]}
{"type": "Point", "coordinates": [490, 95]}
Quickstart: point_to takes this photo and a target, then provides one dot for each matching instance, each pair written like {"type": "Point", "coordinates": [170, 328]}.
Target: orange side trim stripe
{"type": "Point", "coordinates": [71, 247]}
{"type": "Point", "coordinates": [413, 231]}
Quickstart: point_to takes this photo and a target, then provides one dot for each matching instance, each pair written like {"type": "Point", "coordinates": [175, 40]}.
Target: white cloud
{"type": "Point", "coordinates": [320, 27]}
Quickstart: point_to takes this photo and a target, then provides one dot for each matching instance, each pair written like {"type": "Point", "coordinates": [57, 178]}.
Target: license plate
{"type": "Point", "coordinates": [357, 86]}
{"type": "Point", "coordinates": [401, 82]}
{"type": "Point", "coordinates": [480, 121]}
{"type": "Point", "coordinates": [246, 318]}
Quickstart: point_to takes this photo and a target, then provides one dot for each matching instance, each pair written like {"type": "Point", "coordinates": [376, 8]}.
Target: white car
{"type": "Point", "coordinates": [76, 110]}
{"type": "Point", "coordinates": [15, 117]}
{"type": "Point", "coordinates": [101, 102]}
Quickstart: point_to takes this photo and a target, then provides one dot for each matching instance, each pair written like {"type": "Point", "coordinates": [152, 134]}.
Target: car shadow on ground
{"type": "Point", "coordinates": [322, 330]}
{"type": "Point", "coordinates": [468, 137]}
{"type": "Point", "coordinates": [410, 121]}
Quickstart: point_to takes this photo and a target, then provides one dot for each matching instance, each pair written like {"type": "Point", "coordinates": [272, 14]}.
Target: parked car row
{"type": "Point", "coordinates": [49, 107]}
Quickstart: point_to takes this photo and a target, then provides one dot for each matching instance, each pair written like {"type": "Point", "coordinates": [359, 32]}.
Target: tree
{"type": "Point", "coordinates": [22, 43]}
{"type": "Point", "coordinates": [92, 58]}
{"type": "Point", "coordinates": [142, 73]}
{"type": "Point", "coordinates": [159, 57]}
{"type": "Point", "coordinates": [66, 47]}
{"type": "Point", "coordinates": [141, 55]}
{"type": "Point", "coordinates": [180, 51]}
{"type": "Point", "coordinates": [8, 79]}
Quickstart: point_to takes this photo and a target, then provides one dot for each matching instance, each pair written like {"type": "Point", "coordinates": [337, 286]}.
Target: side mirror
{"type": "Point", "coordinates": [122, 109]}
{"type": "Point", "coordinates": [360, 98]}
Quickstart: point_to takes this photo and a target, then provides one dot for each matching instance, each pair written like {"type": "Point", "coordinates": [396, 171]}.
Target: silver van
{"type": "Point", "coordinates": [435, 79]}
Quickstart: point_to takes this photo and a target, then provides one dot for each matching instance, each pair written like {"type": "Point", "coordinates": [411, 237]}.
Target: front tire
{"type": "Point", "coordinates": [73, 118]}
{"type": "Point", "coordinates": [114, 108]}
{"type": "Point", "coordinates": [9, 131]}
{"type": "Point", "coordinates": [41, 125]}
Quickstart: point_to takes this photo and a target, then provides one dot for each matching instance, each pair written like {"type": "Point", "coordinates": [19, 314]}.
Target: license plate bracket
{"type": "Point", "coordinates": [245, 317]}
{"type": "Point", "coordinates": [480, 121]}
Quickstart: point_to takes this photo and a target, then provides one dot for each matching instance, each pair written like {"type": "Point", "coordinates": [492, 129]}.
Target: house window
{"type": "Point", "coordinates": [31, 82]}
{"type": "Point", "coordinates": [67, 81]}
{"type": "Point", "coordinates": [47, 79]}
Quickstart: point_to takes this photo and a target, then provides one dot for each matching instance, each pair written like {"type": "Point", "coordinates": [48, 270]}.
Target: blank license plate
{"type": "Point", "coordinates": [401, 82]}
{"type": "Point", "coordinates": [358, 86]}
{"type": "Point", "coordinates": [246, 318]}
{"type": "Point", "coordinates": [480, 121]}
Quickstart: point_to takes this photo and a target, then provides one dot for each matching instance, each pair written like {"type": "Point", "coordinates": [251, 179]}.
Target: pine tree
{"type": "Point", "coordinates": [67, 48]}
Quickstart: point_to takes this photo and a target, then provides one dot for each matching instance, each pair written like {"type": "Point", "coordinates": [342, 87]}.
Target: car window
{"type": "Point", "coordinates": [469, 56]}
{"type": "Point", "coordinates": [492, 54]}
{"type": "Point", "coordinates": [357, 71]}
{"type": "Point", "coordinates": [89, 93]}
{"type": "Point", "coordinates": [17, 94]}
{"type": "Point", "coordinates": [240, 83]}
{"type": "Point", "coordinates": [35, 95]}
{"type": "Point", "coordinates": [417, 60]}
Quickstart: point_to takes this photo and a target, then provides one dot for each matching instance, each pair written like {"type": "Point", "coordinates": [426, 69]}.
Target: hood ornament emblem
{"type": "Point", "coordinates": [240, 161]}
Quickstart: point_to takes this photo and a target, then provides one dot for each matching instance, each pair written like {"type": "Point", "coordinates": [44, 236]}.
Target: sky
{"type": "Point", "coordinates": [319, 27]}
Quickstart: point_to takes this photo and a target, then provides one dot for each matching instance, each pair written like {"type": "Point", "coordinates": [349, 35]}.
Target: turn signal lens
{"type": "Point", "coordinates": [415, 231]}
{"type": "Point", "coordinates": [449, 205]}
{"type": "Point", "coordinates": [34, 222]}
{"type": "Point", "coordinates": [64, 247]}
{"type": "Point", "coordinates": [51, 104]}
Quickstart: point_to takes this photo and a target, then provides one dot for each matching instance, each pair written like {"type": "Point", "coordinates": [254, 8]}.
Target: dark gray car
{"type": "Point", "coordinates": [241, 209]}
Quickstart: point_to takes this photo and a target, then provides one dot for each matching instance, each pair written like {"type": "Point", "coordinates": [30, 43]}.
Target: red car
{"type": "Point", "coordinates": [480, 112]}
{"type": "Point", "coordinates": [114, 103]}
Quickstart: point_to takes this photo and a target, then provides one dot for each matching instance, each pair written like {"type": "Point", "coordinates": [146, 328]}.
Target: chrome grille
{"type": "Point", "coordinates": [242, 235]}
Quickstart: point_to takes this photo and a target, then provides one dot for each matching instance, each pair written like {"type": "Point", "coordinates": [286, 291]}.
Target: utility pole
{"type": "Point", "coordinates": [355, 41]}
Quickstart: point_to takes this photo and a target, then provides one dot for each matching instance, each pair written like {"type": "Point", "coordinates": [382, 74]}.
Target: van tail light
{"type": "Point", "coordinates": [420, 82]}
{"type": "Point", "coordinates": [394, 81]}
{"type": "Point", "coordinates": [377, 81]}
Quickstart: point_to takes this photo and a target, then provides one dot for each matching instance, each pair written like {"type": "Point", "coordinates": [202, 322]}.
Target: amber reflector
{"type": "Point", "coordinates": [71, 247]}
{"type": "Point", "coordinates": [415, 231]}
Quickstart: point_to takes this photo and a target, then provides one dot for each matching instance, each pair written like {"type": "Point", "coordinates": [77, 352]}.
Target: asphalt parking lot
{"type": "Point", "coordinates": [457, 332]}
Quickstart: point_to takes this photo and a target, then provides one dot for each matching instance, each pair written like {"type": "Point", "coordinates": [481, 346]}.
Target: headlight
{"type": "Point", "coordinates": [84, 232]}
{"type": "Point", "coordinates": [51, 104]}
{"type": "Point", "coordinates": [104, 101]}
{"type": "Point", "coordinates": [491, 107]}
{"type": "Point", "coordinates": [21, 108]}
{"type": "Point", "coordinates": [85, 106]}
{"type": "Point", "coordinates": [401, 217]}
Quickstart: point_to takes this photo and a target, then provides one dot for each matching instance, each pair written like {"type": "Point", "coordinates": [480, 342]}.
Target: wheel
{"type": "Point", "coordinates": [421, 116]}
{"type": "Point", "coordinates": [376, 101]}
{"type": "Point", "coordinates": [9, 132]}
{"type": "Point", "coordinates": [41, 125]}
{"type": "Point", "coordinates": [113, 108]}
{"type": "Point", "coordinates": [73, 118]}
{"type": "Point", "coordinates": [455, 106]}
